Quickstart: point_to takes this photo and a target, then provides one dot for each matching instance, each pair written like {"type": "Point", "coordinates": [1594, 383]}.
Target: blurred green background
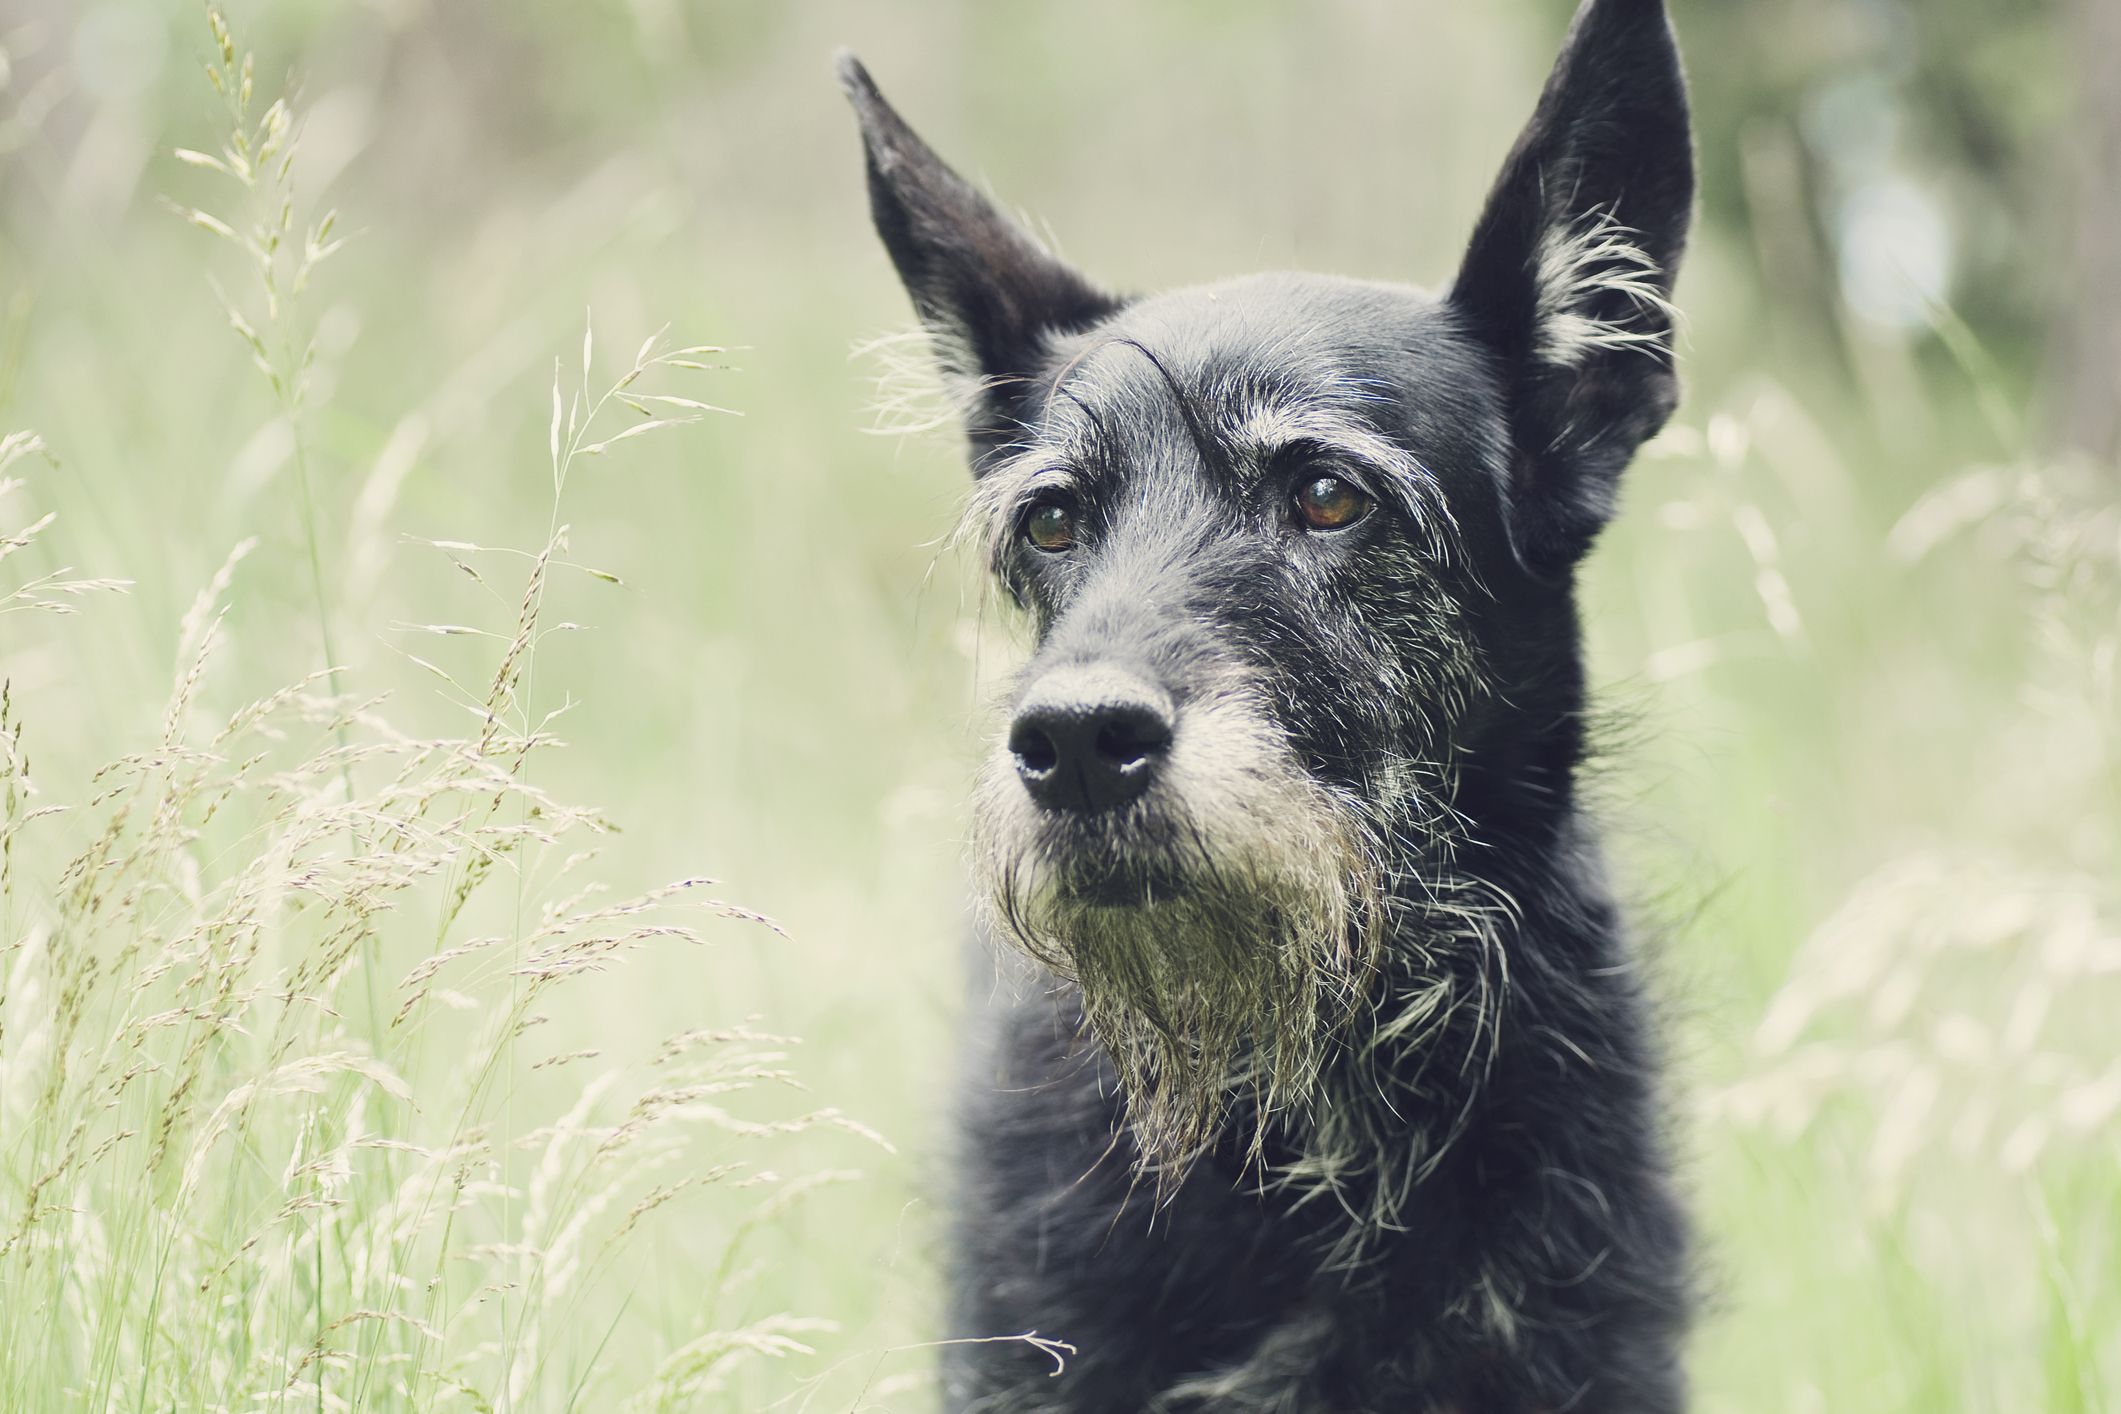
{"type": "Point", "coordinates": [1858, 626]}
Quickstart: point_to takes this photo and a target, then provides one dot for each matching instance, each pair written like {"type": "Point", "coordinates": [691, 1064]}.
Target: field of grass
{"type": "Point", "coordinates": [371, 1033]}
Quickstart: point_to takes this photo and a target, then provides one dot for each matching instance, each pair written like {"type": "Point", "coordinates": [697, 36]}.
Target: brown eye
{"type": "Point", "coordinates": [1329, 503]}
{"type": "Point", "coordinates": [1050, 527]}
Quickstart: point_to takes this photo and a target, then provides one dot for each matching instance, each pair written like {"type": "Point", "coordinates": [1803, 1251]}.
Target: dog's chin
{"type": "Point", "coordinates": [1213, 963]}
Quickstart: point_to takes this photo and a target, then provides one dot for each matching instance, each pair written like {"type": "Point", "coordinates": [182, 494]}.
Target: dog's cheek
{"type": "Point", "coordinates": [1222, 745]}
{"type": "Point", "coordinates": [1357, 689]}
{"type": "Point", "coordinates": [1423, 637]}
{"type": "Point", "coordinates": [1005, 842]}
{"type": "Point", "coordinates": [1308, 652]}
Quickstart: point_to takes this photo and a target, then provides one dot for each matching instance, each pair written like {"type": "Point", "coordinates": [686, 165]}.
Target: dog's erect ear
{"type": "Point", "coordinates": [1569, 275]}
{"type": "Point", "coordinates": [987, 291]}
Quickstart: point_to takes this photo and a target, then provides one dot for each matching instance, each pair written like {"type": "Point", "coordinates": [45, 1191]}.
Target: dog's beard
{"type": "Point", "coordinates": [1221, 931]}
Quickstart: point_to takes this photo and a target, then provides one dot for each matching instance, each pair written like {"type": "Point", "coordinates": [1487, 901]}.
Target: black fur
{"type": "Point", "coordinates": [1468, 1208]}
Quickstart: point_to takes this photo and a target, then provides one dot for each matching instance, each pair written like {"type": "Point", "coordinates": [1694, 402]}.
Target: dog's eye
{"type": "Point", "coordinates": [1050, 526]}
{"type": "Point", "coordinates": [1329, 503]}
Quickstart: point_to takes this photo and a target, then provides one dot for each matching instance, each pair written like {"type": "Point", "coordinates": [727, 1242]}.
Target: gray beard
{"type": "Point", "coordinates": [1220, 978]}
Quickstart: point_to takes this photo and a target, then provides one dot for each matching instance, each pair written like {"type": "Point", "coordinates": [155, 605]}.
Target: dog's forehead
{"type": "Point", "coordinates": [1261, 353]}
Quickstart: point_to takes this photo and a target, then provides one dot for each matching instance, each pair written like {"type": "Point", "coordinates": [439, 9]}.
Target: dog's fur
{"type": "Point", "coordinates": [1322, 1079]}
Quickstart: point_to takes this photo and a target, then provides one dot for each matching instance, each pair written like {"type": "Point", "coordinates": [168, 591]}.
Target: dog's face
{"type": "Point", "coordinates": [1295, 548]}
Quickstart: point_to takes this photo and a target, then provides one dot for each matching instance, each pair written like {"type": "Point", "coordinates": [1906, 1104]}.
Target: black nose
{"type": "Point", "coordinates": [1089, 739]}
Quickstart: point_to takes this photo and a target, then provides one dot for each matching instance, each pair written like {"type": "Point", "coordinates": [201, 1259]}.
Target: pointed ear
{"type": "Point", "coordinates": [987, 291]}
{"type": "Point", "coordinates": [1568, 279]}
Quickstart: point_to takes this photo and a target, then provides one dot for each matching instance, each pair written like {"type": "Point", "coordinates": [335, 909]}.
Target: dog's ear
{"type": "Point", "coordinates": [1568, 278]}
{"type": "Point", "coordinates": [988, 292]}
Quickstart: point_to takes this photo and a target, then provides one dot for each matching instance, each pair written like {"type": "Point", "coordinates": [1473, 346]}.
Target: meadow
{"type": "Point", "coordinates": [489, 708]}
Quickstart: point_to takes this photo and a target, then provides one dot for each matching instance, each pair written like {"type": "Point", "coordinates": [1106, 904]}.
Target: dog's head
{"type": "Point", "coordinates": [1297, 549]}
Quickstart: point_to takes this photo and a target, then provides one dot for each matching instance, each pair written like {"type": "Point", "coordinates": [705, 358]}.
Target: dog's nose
{"type": "Point", "coordinates": [1089, 739]}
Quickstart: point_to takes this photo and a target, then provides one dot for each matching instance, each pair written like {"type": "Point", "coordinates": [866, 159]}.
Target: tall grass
{"type": "Point", "coordinates": [245, 1167]}
{"type": "Point", "coordinates": [1895, 731]}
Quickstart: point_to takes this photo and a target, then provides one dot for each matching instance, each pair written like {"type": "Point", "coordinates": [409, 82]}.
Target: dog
{"type": "Point", "coordinates": [1323, 1076]}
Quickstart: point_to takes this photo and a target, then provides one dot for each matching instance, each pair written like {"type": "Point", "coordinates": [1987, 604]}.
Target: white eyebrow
{"type": "Point", "coordinates": [1263, 431]}
{"type": "Point", "coordinates": [1269, 430]}
{"type": "Point", "coordinates": [996, 495]}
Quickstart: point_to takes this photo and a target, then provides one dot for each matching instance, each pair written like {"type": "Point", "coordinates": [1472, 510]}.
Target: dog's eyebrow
{"type": "Point", "coordinates": [1272, 429]}
{"type": "Point", "coordinates": [995, 496]}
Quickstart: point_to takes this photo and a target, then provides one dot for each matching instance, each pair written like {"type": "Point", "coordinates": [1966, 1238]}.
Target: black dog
{"type": "Point", "coordinates": [1323, 1080]}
